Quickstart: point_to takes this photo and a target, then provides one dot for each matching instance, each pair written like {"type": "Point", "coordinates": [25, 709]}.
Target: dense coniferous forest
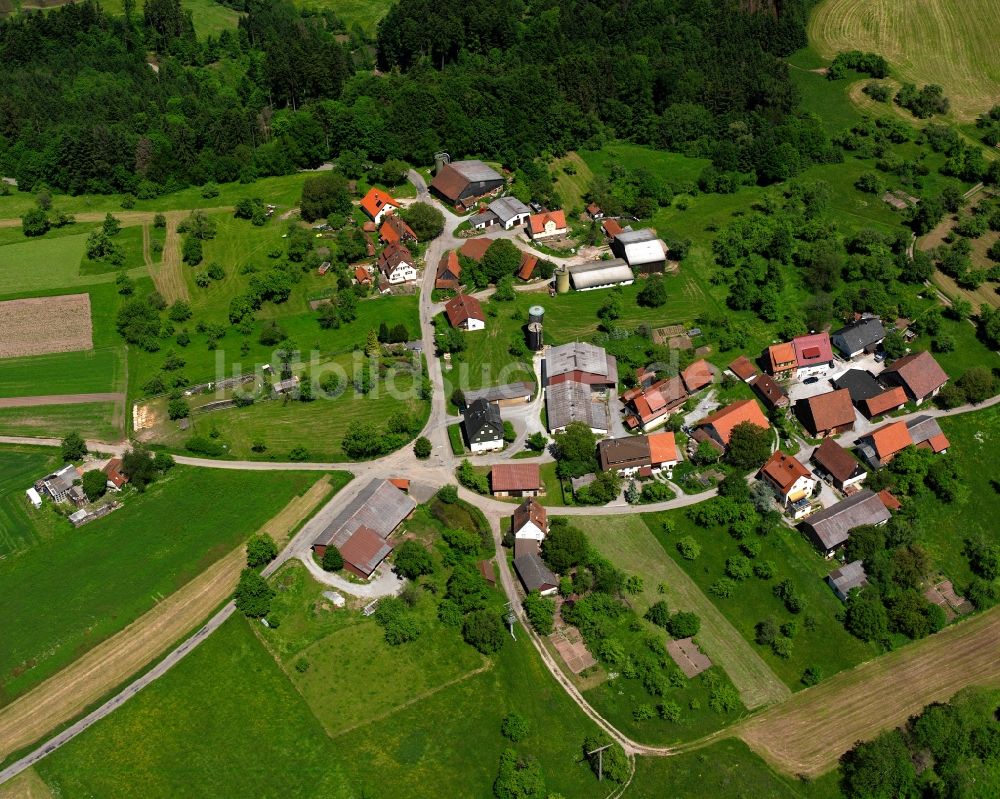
{"type": "Point", "coordinates": [82, 110]}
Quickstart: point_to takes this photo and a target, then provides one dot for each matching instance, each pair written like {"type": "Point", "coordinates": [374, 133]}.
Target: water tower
{"type": "Point", "coordinates": [562, 280]}
{"type": "Point", "coordinates": [536, 313]}
{"type": "Point", "coordinates": [535, 336]}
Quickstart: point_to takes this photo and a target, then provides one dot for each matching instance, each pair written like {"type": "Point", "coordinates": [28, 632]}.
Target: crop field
{"type": "Point", "coordinates": [163, 741]}
{"type": "Point", "coordinates": [21, 526]}
{"type": "Point", "coordinates": [71, 373]}
{"type": "Point", "coordinates": [926, 41]}
{"type": "Point", "coordinates": [38, 264]}
{"type": "Point", "coordinates": [808, 733]}
{"type": "Point", "coordinates": [92, 420]}
{"type": "Point", "coordinates": [823, 642]}
{"type": "Point", "coordinates": [630, 545]}
{"type": "Point", "coordinates": [75, 588]}
{"type": "Point", "coordinates": [41, 325]}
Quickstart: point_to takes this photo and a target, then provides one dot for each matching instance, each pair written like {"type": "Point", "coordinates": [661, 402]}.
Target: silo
{"type": "Point", "coordinates": [535, 336]}
{"type": "Point", "coordinates": [562, 280]}
{"type": "Point", "coordinates": [536, 313]}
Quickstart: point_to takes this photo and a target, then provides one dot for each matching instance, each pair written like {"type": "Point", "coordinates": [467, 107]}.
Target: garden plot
{"type": "Point", "coordinates": [40, 325]}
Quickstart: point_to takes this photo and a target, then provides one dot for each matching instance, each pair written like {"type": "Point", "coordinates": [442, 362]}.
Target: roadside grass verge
{"type": "Point", "coordinates": [75, 588]}
{"type": "Point", "coordinates": [455, 439]}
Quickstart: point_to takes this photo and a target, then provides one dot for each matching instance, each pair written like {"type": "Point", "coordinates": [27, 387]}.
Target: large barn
{"type": "Point", "coordinates": [463, 182]}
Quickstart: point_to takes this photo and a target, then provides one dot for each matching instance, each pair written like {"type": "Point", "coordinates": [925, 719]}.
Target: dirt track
{"type": "Point", "coordinates": [127, 218]}
{"type": "Point", "coordinates": [808, 733]}
{"type": "Point", "coordinates": [110, 663]}
{"type": "Point", "coordinates": [60, 399]}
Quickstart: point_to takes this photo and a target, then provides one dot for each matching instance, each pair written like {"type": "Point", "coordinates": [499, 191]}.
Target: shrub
{"type": "Point", "coordinates": [669, 711]}
{"type": "Point", "coordinates": [722, 588]}
{"type": "Point", "coordinates": [689, 548]}
{"type": "Point", "coordinates": [683, 625]}
{"type": "Point", "coordinates": [514, 727]}
{"type": "Point", "coordinates": [333, 561]}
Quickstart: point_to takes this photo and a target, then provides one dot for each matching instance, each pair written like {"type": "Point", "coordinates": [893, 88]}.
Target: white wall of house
{"type": "Point", "coordinates": [549, 231]}
{"type": "Point", "coordinates": [387, 208]}
{"type": "Point", "coordinates": [403, 273]}
{"type": "Point", "coordinates": [486, 446]}
{"type": "Point", "coordinates": [532, 531]}
{"type": "Point", "coordinates": [474, 324]}
{"type": "Point", "coordinates": [801, 488]}
{"type": "Point", "coordinates": [520, 219]}
{"type": "Point", "coordinates": [815, 370]}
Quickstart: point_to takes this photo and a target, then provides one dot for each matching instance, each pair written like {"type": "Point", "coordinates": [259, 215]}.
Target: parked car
{"type": "Point", "coordinates": [810, 380]}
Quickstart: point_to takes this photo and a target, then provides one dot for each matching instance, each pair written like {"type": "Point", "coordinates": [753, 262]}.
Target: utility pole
{"type": "Point", "coordinates": [600, 760]}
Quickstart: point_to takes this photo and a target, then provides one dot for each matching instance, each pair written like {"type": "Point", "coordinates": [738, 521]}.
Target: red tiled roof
{"type": "Point", "coordinates": [611, 227]}
{"type": "Point", "coordinates": [725, 419]}
{"type": "Point", "coordinates": [769, 390]}
{"type": "Point", "coordinates": [697, 376]}
{"type": "Point", "coordinates": [401, 483]}
{"type": "Point", "coordinates": [743, 368]}
{"type": "Point", "coordinates": [395, 229]}
{"type": "Point", "coordinates": [890, 439]}
{"type": "Point", "coordinates": [516, 477]}
{"type": "Point", "coordinates": [889, 500]}
{"type": "Point", "coordinates": [114, 473]}
{"type": "Point", "coordinates": [938, 443]}
{"type": "Point", "coordinates": [782, 356]}
{"type": "Point", "coordinates": [462, 308]}
{"type": "Point", "coordinates": [832, 457]}
{"type": "Point", "coordinates": [831, 410]}
{"type": "Point", "coordinates": [537, 222]}
{"type": "Point", "coordinates": [812, 349]}
{"type": "Point", "coordinates": [531, 510]}
{"type": "Point", "coordinates": [365, 550]}
{"type": "Point", "coordinates": [658, 398]}
{"type": "Point", "coordinates": [662, 447]}
{"type": "Point", "coordinates": [376, 200]}
{"type": "Point", "coordinates": [528, 262]}
{"type": "Point", "coordinates": [884, 402]}
{"type": "Point", "coordinates": [368, 227]}
{"type": "Point", "coordinates": [361, 275]}
{"type": "Point", "coordinates": [784, 470]}
{"type": "Point", "coordinates": [475, 248]}
{"type": "Point", "coordinates": [919, 372]}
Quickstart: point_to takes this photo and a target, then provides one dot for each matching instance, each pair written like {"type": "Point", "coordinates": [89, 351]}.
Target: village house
{"type": "Point", "coordinates": [448, 272]}
{"type": "Point", "coordinates": [649, 407]}
{"type": "Point", "coordinates": [575, 377]}
{"type": "Point", "coordinates": [791, 481]}
{"type": "Point", "coordinates": [361, 530]}
{"type": "Point", "coordinates": [395, 231]}
{"type": "Point", "coordinates": [859, 337]}
{"type": "Point", "coordinates": [719, 426]}
{"type": "Point", "coordinates": [516, 480]}
{"type": "Point", "coordinates": [888, 401]}
{"type": "Point", "coordinates": [611, 228]}
{"type": "Point", "coordinates": [465, 312]}
{"type": "Point", "coordinates": [847, 578]}
{"type": "Point", "coordinates": [377, 203]}
{"type": "Point", "coordinates": [547, 225]}
{"type": "Point", "coordinates": [600, 275]}
{"type": "Point", "coordinates": [644, 456]}
{"type": "Point", "coordinates": [641, 250]}
{"type": "Point", "coordinates": [813, 355]}
{"type": "Point", "coordinates": [594, 211]}
{"type": "Point", "coordinates": [781, 360]}
{"type": "Point", "coordinates": [840, 466]}
{"type": "Point", "coordinates": [744, 369]}
{"type": "Point", "coordinates": [860, 383]}
{"type": "Point", "coordinates": [461, 183]}
{"type": "Point", "coordinates": [882, 445]}
{"type": "Point", "coordinates": [530, 520]}
{"type": "Point", "coordinates": [830, 528]}
{"type": "Point", "coordinates": [535, 575]}
{"type": "Point", "coordinates": [770, 392]}
{"type": "Point", "coordinates": [918, 374]}
{"type": "Point", "coordinates": [361, 276]}
{"type": "Point", "coordinates": [697, 376]}
{"type": "Point", "coordinates": [116, 477]}
{"type": "Point", "coordinates": [60, 484]}
{"type": "Point", "coordinates": [397, 265]}
{"type": "Point", "coordinates": [508, 212]}
{"type": "Point", "coordinates": [483, 426]}
{"type": "Point", "coordinates": [570, 402]}
{"type": "Point", "coordinates": [828, 414]}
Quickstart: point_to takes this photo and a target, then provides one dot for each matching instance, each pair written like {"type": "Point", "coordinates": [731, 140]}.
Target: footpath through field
{"type": "Point", "coordinates": [61, 399]}
{"type": "Point", "coordinates": [110, 663]}
{"type": "Point", "coordinates": [809, 732]}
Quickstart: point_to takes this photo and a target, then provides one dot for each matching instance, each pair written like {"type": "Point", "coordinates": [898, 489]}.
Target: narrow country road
{"type": "Point", "coordinates": [60, 399]}
{"type": "Point", "coordinates": [437, 471]}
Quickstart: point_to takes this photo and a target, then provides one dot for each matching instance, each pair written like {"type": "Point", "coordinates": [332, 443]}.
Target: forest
{"type": "Point", "coordinates": [98, 103]}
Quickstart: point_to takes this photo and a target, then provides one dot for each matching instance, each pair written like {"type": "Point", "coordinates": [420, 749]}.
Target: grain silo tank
{"type": "Point", "coordinates": [536, 313]}
{"type": "Point", "coordinates": [562, 280]}
{"type": "Point", "coordinates": [535, 336]}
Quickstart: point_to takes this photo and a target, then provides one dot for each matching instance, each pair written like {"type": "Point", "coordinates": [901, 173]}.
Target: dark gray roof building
{"type": "Point", "coordinates": [831, 528]}
{"type": "Point", "coordinates": [575, 402]}
{"type": "Point", "coordinates": [483, 423]}
{"type": "Point", "coordinates": [380, 506]}
{"type": "Point", "coordinates": [861, 336]}
{"type": "Point", "coordinates": [534, 574]}
{"type": "Point", "coordinates": [859, 383]}
{"type": "Point", "coordinates": [850, 575]}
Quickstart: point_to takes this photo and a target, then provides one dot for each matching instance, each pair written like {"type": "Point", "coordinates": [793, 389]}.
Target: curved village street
{"type": "Point", "coordinates": [426, 477]}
